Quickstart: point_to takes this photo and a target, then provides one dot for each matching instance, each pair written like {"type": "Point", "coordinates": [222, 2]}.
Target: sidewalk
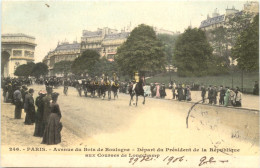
{"type": "Point", "coordinates": [14, 131]}
{"type": "Point", "coordinates": [248, 101]}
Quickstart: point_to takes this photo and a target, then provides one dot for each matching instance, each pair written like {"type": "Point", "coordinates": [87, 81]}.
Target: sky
{"type": "Point", "coordinates": [65, 20]}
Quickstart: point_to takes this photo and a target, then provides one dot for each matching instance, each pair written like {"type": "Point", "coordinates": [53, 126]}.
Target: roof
{"type": "Point", "coordinates": [87, 33]}
{"type": "Point", "coordinates": [122, 35]}
{"type": "Point", "coordinates": [73, 46]}
{"type": "Point", "coordinates": [212, 21]}
{"type": "Point", "coordinates": [17, 35]}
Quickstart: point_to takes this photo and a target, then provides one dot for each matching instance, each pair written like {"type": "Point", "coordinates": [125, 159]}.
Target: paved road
{"type": "Point", "coordinates": [157, 123]}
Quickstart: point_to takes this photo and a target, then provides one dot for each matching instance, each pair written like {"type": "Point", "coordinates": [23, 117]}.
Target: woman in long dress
{"type": "Point", "coordinates": [53, 128]}
{"type": "Point", "coordinates": [39, 125]}
{"type": "Point", "coordinates": [157, 91]}
{"type": "Point", "coordinates": [188, 94]}
{"type": "Point", "coordinates": [226, 98]}
{"type": "Point", "coordinates": [29, 108]}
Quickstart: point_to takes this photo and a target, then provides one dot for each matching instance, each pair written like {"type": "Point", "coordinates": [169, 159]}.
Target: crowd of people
{"type": "Point", "coordinates": [227, 96]}
{"type": "Point", "coordinates": [47, 117]}
{"type": "Point", "coordinates": [48, 114]}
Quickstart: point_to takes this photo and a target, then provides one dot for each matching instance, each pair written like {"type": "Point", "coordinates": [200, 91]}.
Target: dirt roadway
{"type": "Point", "coordinates": [102, 123]}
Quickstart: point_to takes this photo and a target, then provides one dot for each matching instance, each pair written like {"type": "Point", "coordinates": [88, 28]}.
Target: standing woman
{"type": "Point", "coordinates": [53, 128]}
{"type": "Point", "coordinates": [29, 108]}
{"type": "Point", "coordinates": [188, 94]}
{"type": "Point", "coordinates": [39, 125]}
{"type": "Point", "coordinates": [227, 97]}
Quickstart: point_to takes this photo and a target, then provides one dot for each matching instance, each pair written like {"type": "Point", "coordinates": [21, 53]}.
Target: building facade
{"type": "Point", "coordinates": [63, 52]}
{"type": "Point", "coordinates": [17, 49]}
{"type": "Point", "coordinates": [105, 41]}
{"type": "Point", "coordinates": [111, 43]}
{"type": "Point", "coordinates": [217, 20]}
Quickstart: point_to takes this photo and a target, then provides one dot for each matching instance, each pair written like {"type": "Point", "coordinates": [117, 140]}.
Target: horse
{"type": "Point", "coordinates": [114, 88]}
{"type": "Point", "coordinates": [137, 91]}
{"type": "Point", "coordinates": [105, 87]}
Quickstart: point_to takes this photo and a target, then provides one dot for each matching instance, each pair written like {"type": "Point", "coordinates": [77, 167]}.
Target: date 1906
{"type": "Point", "coordinates": [172, 159]}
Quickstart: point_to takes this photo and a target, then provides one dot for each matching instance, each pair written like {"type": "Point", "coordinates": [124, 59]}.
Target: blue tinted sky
{"type": "Point", "coordinates": [66, 19]}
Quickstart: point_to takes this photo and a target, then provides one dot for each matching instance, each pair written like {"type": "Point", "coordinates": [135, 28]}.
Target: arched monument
{"type": "Point", "coordinates": [17, 49]}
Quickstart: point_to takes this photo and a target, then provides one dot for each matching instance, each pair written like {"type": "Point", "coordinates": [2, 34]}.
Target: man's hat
{"type": "Point", "coordinates": [54, 95]}
{"type": "Point", "coordinates": [31, 90]}
{"type": "Point", "coordinates": [49, 89]}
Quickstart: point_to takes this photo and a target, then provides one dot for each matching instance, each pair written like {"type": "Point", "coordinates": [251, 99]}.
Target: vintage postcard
{"type": "Point", "coordinates": [130, 83]}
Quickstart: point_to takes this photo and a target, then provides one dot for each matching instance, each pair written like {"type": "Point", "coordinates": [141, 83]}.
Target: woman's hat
{"type": "Point", "coordinates": [42, 92]}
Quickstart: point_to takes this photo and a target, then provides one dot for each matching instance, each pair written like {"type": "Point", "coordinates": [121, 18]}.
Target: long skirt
{"type": "Point", "coordinates": [39, 124]}
{"type": "Point", "coordinates": [39, 129]}
{"type": "Point", "coordinates": [30, 117]}
{"type": "Point", "coordinates": [52, 130]}
{"type": "Point", "coordinates": [226, 100]}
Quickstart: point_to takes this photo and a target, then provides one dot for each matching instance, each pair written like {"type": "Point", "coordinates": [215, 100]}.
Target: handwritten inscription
{"type": "Point", "coordinates": [168, 160]}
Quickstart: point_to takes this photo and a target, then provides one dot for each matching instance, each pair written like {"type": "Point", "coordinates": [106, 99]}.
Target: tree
{"type": "Point", "coordinates": [63, 67]}
{"type": "Point", "coordinates": [246, 49]}
{"type": "Point", "coordinates": [85, 63]}
{"type": "Point", "coordinates": [235, 24]}
{"type": "Point", "coordinates": [24, 69]}
{"type": "Point", "coordinates": [168, 42]}
{"type": "Point", "coordinates": [141, 52]}
{"type": "Point", "coordinates": [193, 53]}
{"type": "Point", "coordinates": [39, 69]}
{"type": "Point", "coordinates": [105, 67]}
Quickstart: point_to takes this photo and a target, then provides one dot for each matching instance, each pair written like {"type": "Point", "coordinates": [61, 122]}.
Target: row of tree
{"type": "Point", "coordinates": [32, 69]}
{"type": "Point", "coordinates": [191, 52]}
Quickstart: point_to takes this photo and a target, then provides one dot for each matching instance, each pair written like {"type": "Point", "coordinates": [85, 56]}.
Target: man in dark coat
{"type": "Point", "coordinates": [221, 95]}
{"type": "Point", "coordinates": [256, 88]}
{"type": "Point", "coordinates": [162, 91]}
{"type": "Point", "coordinates": [39, 125]}
{"type": "Point", "coordinates": [214, 95]}
{"type": "Point", "coordinates": [9, 92]}
{"type": "Point", "coordinates": [210, 95]}
{"type": "Point", "coordinates": [18, 103]}
{"type": "Point", "coordinates": [203, 93]}
{"type": "Point", "coordinates": [24, 91]}
{"type": "Point", "coordinates": [152, 89]}
{"type": "Point", "coordinates": [29, 108]}
{"type": "Point", "coordinates": [180, 93]}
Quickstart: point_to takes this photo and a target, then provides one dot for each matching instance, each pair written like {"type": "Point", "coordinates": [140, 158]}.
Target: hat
{"type": "Point", "coordinates": [42, 92]}
{"type": "Point", "coordinates": [31, 90]}
{"type": "Point", "coordinates": [24, 87]}
{"type": "Point", "coordinates": [54, 95]}
{"type": "Point", "coordinates": [49, 89]}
